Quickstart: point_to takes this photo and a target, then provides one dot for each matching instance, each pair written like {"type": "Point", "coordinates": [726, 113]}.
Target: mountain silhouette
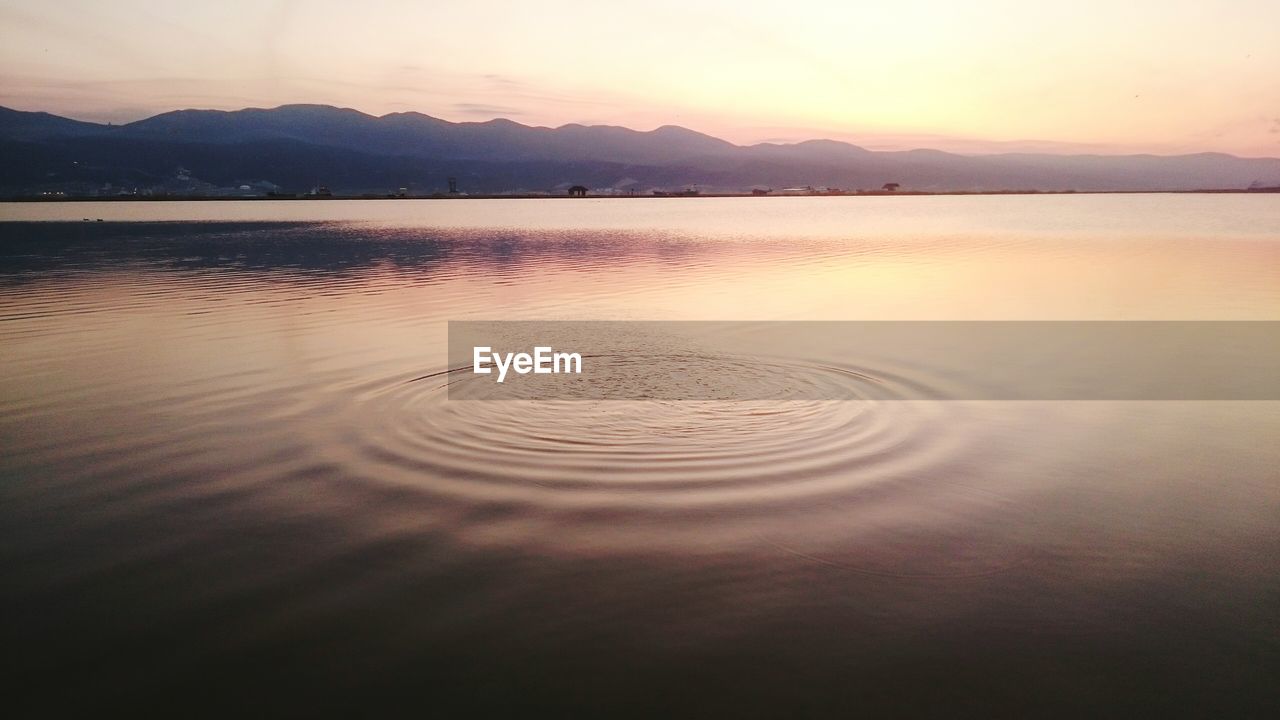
{"type": "Point", "coordinates": [296, 146]}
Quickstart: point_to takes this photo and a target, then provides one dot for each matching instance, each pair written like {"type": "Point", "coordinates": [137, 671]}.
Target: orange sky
{"type": "Point", "coordinates": [1171, 76]}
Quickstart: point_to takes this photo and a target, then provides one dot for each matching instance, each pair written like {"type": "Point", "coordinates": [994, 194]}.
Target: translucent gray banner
{"type": "Point", "coordinates": [943, 360]}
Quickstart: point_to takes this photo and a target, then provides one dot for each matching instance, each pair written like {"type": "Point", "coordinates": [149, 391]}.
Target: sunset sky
{"type": "Point", "coordinates": [1086, 75]}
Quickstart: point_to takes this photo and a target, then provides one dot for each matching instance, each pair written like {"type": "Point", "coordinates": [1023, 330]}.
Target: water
{"type": "Point", "coordinates": [221, 492]}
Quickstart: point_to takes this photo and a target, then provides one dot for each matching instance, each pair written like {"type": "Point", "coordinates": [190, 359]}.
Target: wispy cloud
{"type": "Point", "coordinates": [486, 110]}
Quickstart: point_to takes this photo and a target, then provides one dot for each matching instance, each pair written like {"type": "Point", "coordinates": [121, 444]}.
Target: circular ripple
{"type": "Point", "coordinates": [874, 486]}
{"type": "Point", "coordinates": [715, 451]}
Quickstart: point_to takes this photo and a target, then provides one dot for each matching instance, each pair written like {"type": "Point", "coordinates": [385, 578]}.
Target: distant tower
{"type": "Point", "coordinates": [453, 186]}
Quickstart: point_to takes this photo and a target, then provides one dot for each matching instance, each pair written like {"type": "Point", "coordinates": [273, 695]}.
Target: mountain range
{"type": "Point", "coordinates": [296, 147]}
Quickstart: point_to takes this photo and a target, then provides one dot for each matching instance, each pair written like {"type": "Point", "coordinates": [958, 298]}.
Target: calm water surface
{"type": "Point", "coordinates": [220, 492]}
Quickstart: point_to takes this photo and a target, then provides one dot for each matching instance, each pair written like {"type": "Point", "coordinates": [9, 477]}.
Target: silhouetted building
{"type": "Point", "coordinates": [891, 187]}
{"type": "Point", "coordinates": [453, 186]}
{"type": "Point", "coordinates": [577, 191]}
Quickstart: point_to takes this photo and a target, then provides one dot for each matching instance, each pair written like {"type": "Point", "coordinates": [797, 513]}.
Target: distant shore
{"type": "Point", "coordinates": [460, 196]}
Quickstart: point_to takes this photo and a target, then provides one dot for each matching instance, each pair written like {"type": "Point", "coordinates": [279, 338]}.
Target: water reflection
{"type": "Point", "coordinates": [216, 469]}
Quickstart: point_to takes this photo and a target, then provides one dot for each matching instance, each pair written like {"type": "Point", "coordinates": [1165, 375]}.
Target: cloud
{"type": "Point", "coordinates": [490, 110]}
{"type": "Point", "coordinates": [503, 81]}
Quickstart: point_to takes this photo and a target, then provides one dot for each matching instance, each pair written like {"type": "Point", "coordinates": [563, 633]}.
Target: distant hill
{"type": "Point", "coordinates": [19, 125]}
{"type": "Point", "coordinates": [294, 147]}
{"type": "Point", "coordinates": [421, 135]}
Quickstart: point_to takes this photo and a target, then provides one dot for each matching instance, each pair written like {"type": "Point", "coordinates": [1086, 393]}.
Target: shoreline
{"type": "Point", "coordinates": [870, 193]}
